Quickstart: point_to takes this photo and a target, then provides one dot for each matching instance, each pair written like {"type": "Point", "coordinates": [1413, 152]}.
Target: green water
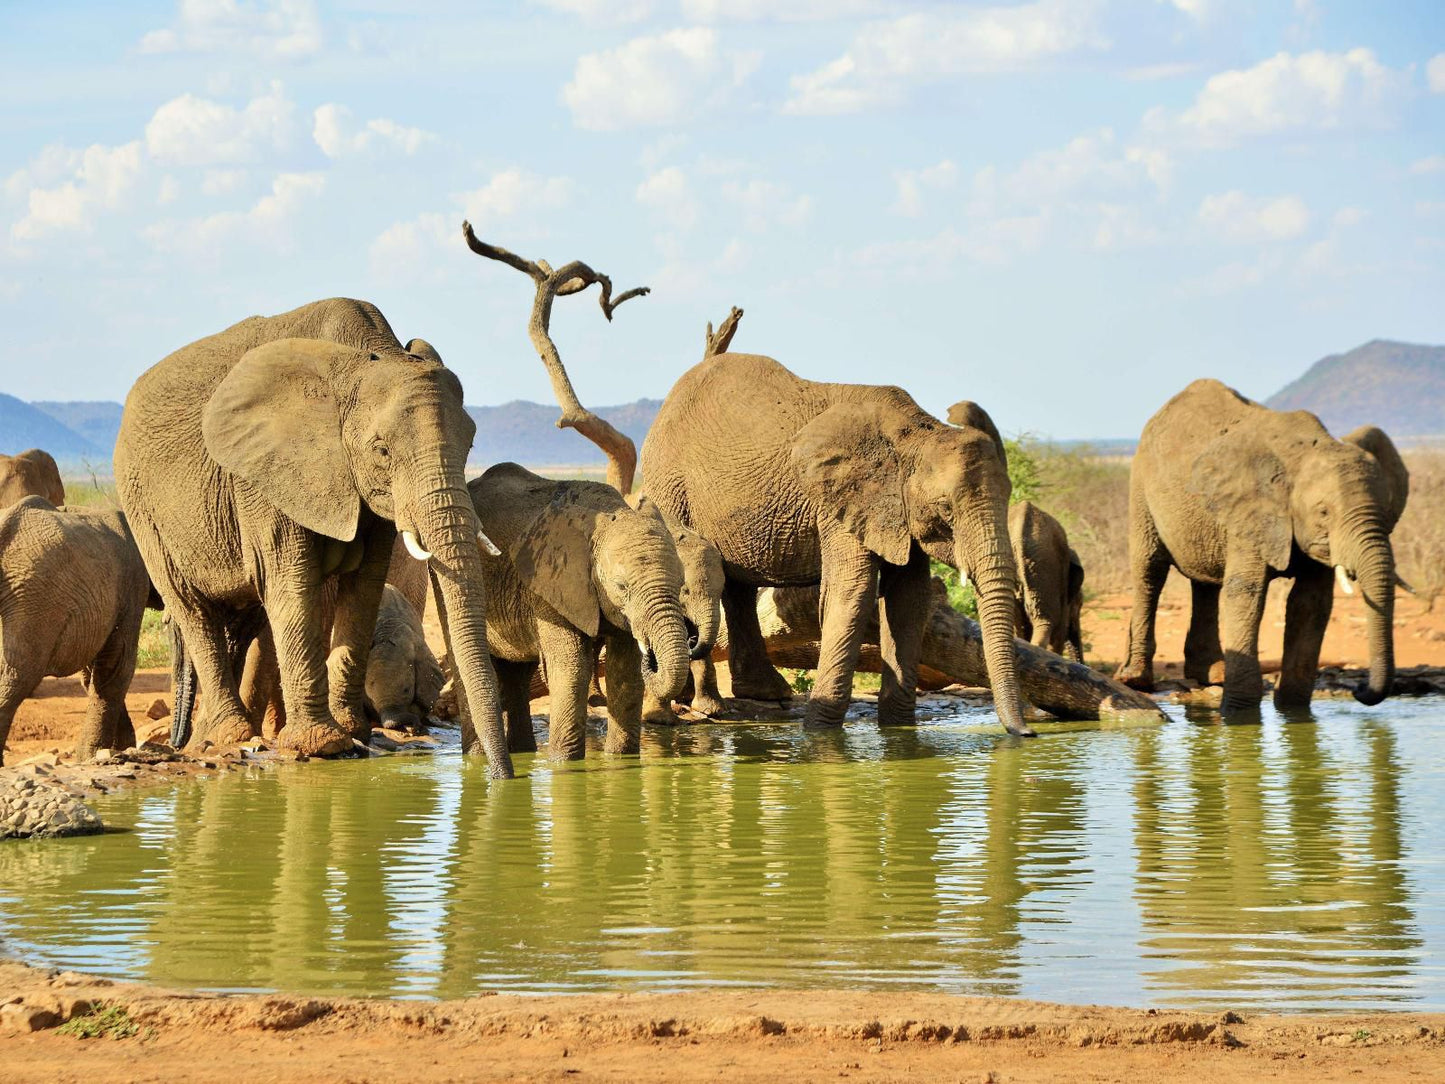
{"type": "Point", "coordinates": [1293, 865]}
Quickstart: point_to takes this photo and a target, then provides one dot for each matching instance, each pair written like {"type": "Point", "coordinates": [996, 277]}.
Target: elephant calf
{"type": "Point", "coordinates": [73, 589]}
{"type": "Point", "coordinates": [1051, 582]}
{"type": "Point", "coordinates": [578, 569]}
{"type": "Point", "coordinates": [403, 677]}
{"type": "Point", "coordinates": [33, 471]}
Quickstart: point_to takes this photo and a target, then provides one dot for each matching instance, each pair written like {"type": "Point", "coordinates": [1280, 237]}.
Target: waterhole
{"type": "Point", "coordinates": [1283, 864]}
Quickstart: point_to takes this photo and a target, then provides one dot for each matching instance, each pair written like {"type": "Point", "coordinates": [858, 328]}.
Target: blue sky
{"type": "Point", "coordinates": [1064, 209]}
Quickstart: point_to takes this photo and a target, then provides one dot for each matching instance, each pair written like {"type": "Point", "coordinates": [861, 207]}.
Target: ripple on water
{"type": "Point", "coordinates": [1285, 864]}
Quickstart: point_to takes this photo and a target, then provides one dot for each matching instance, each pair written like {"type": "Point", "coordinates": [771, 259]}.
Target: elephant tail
{"type": "Point", "coordinates": [183, 688]}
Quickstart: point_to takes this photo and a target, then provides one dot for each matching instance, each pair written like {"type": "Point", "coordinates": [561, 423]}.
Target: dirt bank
{"type": "Point", "coordinates": [731, 1035]}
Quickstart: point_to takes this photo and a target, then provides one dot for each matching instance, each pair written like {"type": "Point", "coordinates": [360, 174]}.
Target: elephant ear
{"type": "Point", "coordinates": [274, 421]}
{"type": "Point", "coordinates": [1243, 483]}
{"type": "Point", "coordinates": [1076, 575]}
{"type": "Point", "coordinates": [967, 414]}
{"type": "Point", "coordinates": [851, 469]}
{"type": "Point", "coordinates": [1397, 478]}
{"type": "Point", "coordinates": [553, 557]}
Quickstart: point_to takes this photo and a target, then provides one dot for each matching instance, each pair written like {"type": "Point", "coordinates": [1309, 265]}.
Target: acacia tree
{"type": "Point", "coordinates": [570, 278]}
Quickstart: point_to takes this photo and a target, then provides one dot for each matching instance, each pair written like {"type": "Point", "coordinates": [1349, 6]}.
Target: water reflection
{"type": "Point", "coordinates": [1280, 863]}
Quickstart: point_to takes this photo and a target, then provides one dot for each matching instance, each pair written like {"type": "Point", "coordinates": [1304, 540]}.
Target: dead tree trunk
{"type": "Point", "coordinates": [952, 653]}
{"type": "Point", "coordinates": [718, 343]}
{"type": "Point", "coordinates": [570, 279]}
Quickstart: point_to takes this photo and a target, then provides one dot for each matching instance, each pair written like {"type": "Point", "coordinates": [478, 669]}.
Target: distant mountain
{"type": "Point", "coordinates": [1398, 386]}
{"type": "Point", "coordinates": [22, 426]}
{"type": "Point", "coordinates": [527, 433]}
{"type": "Point", "coordinates": [97, 422]}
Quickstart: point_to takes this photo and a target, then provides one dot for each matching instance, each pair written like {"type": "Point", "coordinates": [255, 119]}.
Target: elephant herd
{"type": "Point", "coordinates": [294, 478]}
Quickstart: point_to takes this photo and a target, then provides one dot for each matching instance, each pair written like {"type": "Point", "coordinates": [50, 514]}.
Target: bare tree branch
{"type": "Point", "coordinates": [719, 343]}
{"type": "Point", "coordinates": [571, 278]}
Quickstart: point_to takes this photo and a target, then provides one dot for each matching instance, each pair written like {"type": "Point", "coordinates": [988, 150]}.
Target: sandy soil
{"type": "Point", "coordinates": [730, 1035]}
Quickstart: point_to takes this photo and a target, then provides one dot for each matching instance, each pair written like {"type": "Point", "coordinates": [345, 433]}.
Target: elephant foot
{"type": "Point", "coordinates": [620, 742]}
{"type": "Point", "coordinates": [1213, 674]}
{"type": "Point", "coordinates": [707, 704]}
{"type": "Point", "coordinates": [764, 685]}
{"type": "Point", "coordinates": [316, 740]}
{"type": "Point", "coordinates": [897, 714]}
{"type": "Point", "coordinates": [232, 730]}
{"type": "Point", "coordinates": [660, 715]}
{"type": "Point", "coordinates": [824, 715]}
{"type": "Point", "coordinates": [1136, 677]}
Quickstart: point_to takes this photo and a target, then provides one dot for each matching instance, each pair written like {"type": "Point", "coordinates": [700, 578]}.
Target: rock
{"type": "Point", "coordinates": [18, 1017]}
{"type": "Point", "coordinates": [159, 709]}
{"type": "Point", "coordinates": [104, 756]}
{"type": "Point", "coordinates": [49, 759]}
{"type": "Point", "coordinates": [380, 739]}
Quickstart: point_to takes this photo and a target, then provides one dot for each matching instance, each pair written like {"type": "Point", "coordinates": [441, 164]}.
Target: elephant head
{"type": "Point", "coordinates": [1337, 504]}
{"type": "Point", "coordinates": [592, 563]}
{"type": "Point", "coordinates": [892, 474]}
{"type": "Point", "coordinates": [332, 436]}
{"type": "Point", "coordinates": [402, 683]}
{"type": "Point", "coordinates": [702, 580]}
{"type": "Point", "coordinates": [30, 472]}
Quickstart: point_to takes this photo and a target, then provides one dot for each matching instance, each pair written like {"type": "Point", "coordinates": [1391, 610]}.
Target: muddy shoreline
{"type": "Point", "coordinates": [143, 1032]}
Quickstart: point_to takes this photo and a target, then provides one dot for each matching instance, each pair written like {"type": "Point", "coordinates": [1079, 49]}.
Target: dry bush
{"type": "Point", "coordinates": [1089, 495]}
{"type": "Point", "coordinates": [1419, 538]}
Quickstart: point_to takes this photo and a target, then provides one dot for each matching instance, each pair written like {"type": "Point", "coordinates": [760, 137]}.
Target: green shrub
{"type": "Point", "coordinates": [103, 1022]}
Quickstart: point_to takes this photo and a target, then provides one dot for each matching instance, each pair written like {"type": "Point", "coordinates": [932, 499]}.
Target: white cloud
{"type": "Point", "coordinates": [337, 136]}
{"type": "Point", "coordinates": [1315, 91]}
{"type": "Point", "coordinates": [170, 189]}
{"type": "Point", "coordinates": [221, 182]}
{"type": "Point", "coordinates": [100, 179]}
{"type": "Point", "coordinates": [1348, 216]}
{"type": "Point", "coordinates": [1234, 216]}
{"type": "Point", "coordinates": [274, 29]}
{"type": "Point", "coordinates": [192, 131]}
{"type": "Point", "coordinates": [602, 11]}
{"type": "Point", "coordinates": [925, 46]}
{"type": "Point", "coordinates": [661, 79]}
{"type": "Point", "coordinates": [267, 222]}
{"type": "Point", "coordinates": [54, 162]}
{"type": "Point", "coordinates": [1435, 163]}
{"type": "Point", "coordinates": [512, 192]}
{"type": "Point", "coordinates": [668, 194]}
{"type": "Point", "coordinates": [404, 251]}
{"type": "Point", "coordinates": [1195, 9]}
{"type": "Point", "coordinates": [765, 204]}
{"type": "Point", "coordinates": [782, 11]}
{"type": "Point", "coordinates": [912, 183]}
{"type": "Point", "coordinates": [1435, 73]}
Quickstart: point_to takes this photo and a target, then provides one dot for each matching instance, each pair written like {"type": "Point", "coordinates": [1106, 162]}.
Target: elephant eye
{"type": "Point", "coordinates": [381, 450]}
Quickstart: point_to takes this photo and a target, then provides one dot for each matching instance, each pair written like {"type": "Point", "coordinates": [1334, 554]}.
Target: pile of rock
{"type": "Point", "coordinates": [34, 806]}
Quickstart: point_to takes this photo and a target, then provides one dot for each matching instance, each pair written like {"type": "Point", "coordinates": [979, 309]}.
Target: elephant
{"type": "Point", "coordinates": [258, 462]}
{"type": "Point", "coordinates": [403, 677]}
{"type": "Point", "coordinates": [579, 569]}
{"type": "Point", "coordinates": [1234, 494]}
{"type": "Point", "coordinates": [702, 584]}
{"type": "Point", "coordinates": [33, 471]}
{"type": "Point", "coordinates": [1051, 582]}
{"type": "Point", "coordinates": [73, 590]}
{"type": "Point", "coordinates": [849, 486]}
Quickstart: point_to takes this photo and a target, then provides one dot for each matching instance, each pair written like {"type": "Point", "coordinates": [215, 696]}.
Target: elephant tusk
{"type": "Point", "coordinates": [1403, 586]}
{"type": "Point", "coordinates": [1344, 579]}
{"type": "Point", "coordinates": [413, 547]}
{"type": "Point", "coordinates": [488, 544]}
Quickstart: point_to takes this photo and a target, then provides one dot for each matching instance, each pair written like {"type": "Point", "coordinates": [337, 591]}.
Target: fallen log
{"type": "Point", "coordinates": [952, 653]}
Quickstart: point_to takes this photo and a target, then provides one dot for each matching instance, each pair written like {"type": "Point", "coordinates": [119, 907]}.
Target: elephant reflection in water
{"type": "Point", "coordinates": [1267, 854]}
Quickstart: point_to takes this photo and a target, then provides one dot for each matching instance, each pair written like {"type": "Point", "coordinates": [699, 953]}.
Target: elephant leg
{"type": "Point", "coordinates": [903, 609]}
{"type": "Point", "coordinates": [849, 591]}
{"type": "Point", "coordinates": [1203, 653]}
{"type": "Point", "coordinates": [1242, 607]}
{"type": "Point", "coordinates": [261, 686]}
{"type": "Point", "coordinates": [358, 599]}
{"type": "Point", "coordinates": [222, 718]}
{"type": "Point", "coordinates": [14, 688]}
{"type": "Point", "coordinates": [294, 610]}
{"type": "Point", "coordinates": [624, 695]}
{"type": "Point", "coordinates": [754, 676]}
{"type": "Point", "coordinates": [514, 682]}
{"type": "Point", "coordinates": [1306, 615]}
{"type": "Point", "coordinates": [107, 723]}
{"type": "Point", "coordinates": [1149, 568]}
{"type": "Point", "coordinates": [567, 657]}
{"type": "Point", "coordinates": [706, 700]}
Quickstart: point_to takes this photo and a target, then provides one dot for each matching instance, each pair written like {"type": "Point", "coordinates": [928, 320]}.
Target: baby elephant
{"type": "Point", "coordinates": [402, 675]}
{"type": "Point", "coordinates": [73, 589]}
{"type": "Point", "coordinates": [578, 567]}
{"type": "Point", "coordinates": [1051, 582]}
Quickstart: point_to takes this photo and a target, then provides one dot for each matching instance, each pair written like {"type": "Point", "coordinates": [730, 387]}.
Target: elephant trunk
{"type": "Point", "coordinates": [448, 526]}
{"type": "Point", "coordinates": [1372, 561]}
{"type": "Point", "coordinates": [984, 550]}
{"type": "Point", "coordinates": [705, 620]}
{"type": "Point", "coordinates": [662, 639]}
